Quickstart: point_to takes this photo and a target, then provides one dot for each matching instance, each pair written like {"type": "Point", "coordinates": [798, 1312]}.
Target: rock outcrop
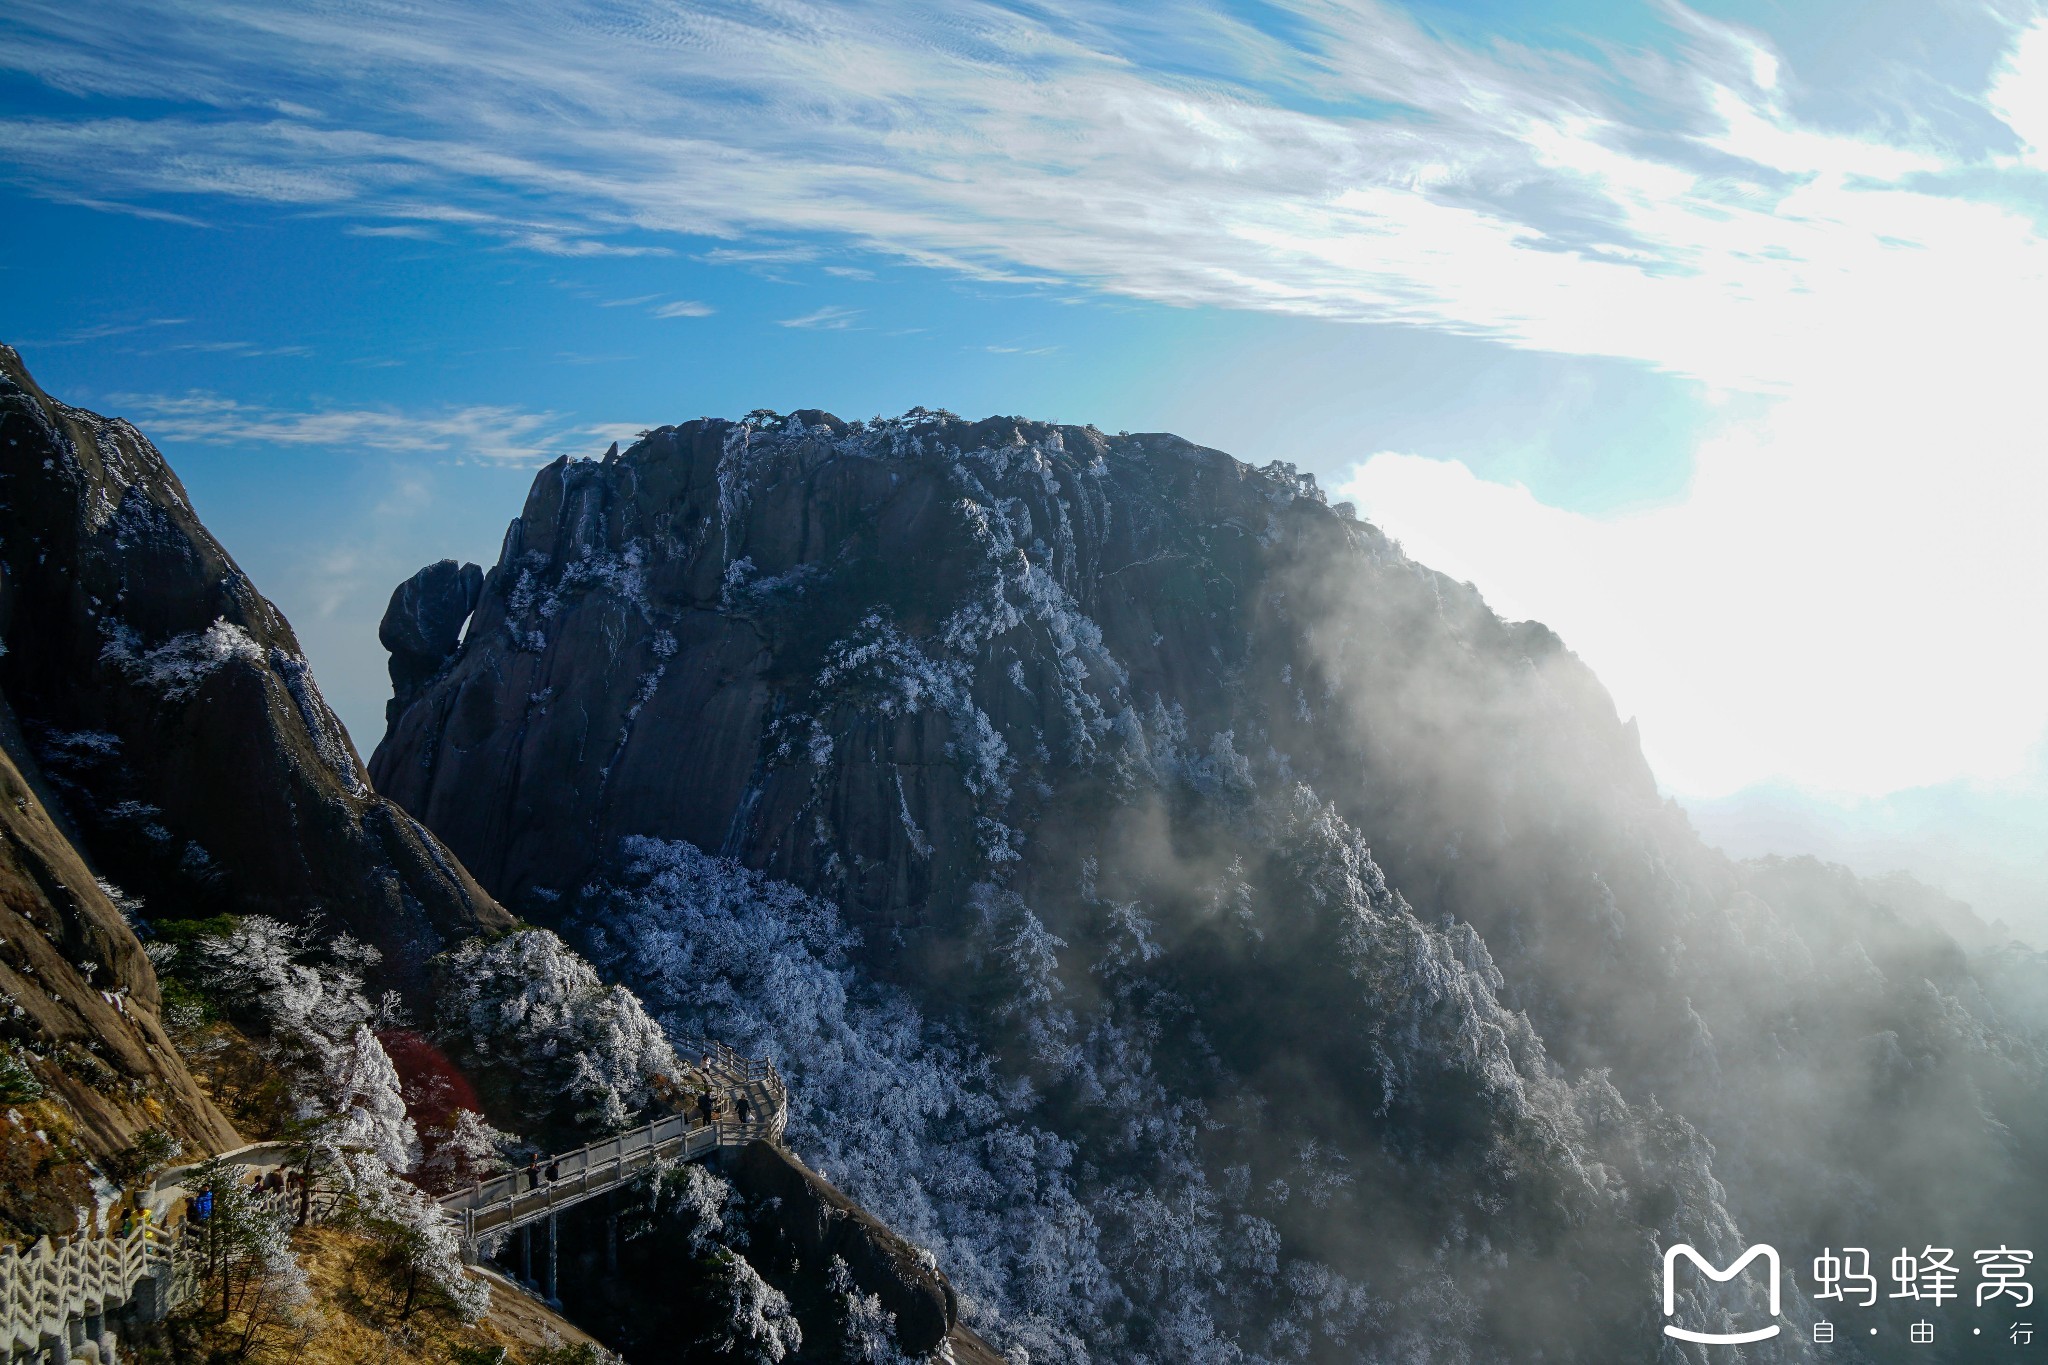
{"type": "Point", "coordinates": [657, 622]}
{"type": "Point", "coordinates": [819, 1223]}
{"type": "Point", "coordinates": [423, 624]}
{"type": "Point", "coordinates": [1316, 958]}
{"type": "Point", "coordinates": [173, 712]}
{"type": "Point", "coordinates": [79, 1014]}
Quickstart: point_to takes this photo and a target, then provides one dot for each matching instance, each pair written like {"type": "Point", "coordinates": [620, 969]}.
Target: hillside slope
{"type": "Point", "coordinates": [170, 735]}
{"type": "Point", "coordinates": [172, 710]}
{"type": "Point", "coordinates": [90, 1066]}
{"type": "Point", "coordinates": [1217, 935]}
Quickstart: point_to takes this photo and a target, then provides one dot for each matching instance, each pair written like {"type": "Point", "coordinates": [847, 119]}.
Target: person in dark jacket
{"type": "Point", "coordinates": [533, 1171]}
{"type": "Point", "coordinates": [741, 1107]}
{"type": "Point", "coordinates": [704, 1108]}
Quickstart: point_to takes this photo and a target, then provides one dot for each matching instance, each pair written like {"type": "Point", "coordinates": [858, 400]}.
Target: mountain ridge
{"type": "Point", "coordinates": [1244, 855]}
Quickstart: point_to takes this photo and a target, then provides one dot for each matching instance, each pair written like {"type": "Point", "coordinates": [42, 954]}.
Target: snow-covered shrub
{"type": "Point", "coordinates": [750, 1322]}
{"type": "Point", "coordinates": [177, 667]}
{"type": "Point", "coordinates": [419, 1242]}
{"type": "Point", "coordinates": [867, 1330]}
{"type": "Point", "coordinates": [711, 1204]}
{"type": "Point", "coordinates": [571, 1048]}
{"type": "Point", "coordinates": [466, 1149]}
{"type": "Point", "coordinates": [879, 667]}
{"type": "Point", "coordinates": [909, 1122]}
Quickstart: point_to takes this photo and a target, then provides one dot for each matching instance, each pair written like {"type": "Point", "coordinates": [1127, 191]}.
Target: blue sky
{"type": "Point", "coordinates": [1708, 335]}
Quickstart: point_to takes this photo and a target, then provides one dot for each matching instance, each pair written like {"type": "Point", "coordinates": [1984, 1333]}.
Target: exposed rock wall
{"type": "Point", "coordinates": [1326, 935]}
{"type": "Point", "coordinates": [647, 652]}
{"type": "Point", "coordinates": [423, 624]}
{"type": "Point", "coordinates": [78, 989]}
{"type": "Point", "coordinates": [820, 1223]}
{"type": "Point", "coordinates": [173, 711]}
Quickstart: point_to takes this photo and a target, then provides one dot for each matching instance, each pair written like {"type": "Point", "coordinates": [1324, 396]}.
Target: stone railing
{"type": "Point", "coordinates": [58, 1293]}
{"type": "Point", "coordinates": [56, 1296]}
{"type": "Point", "coordinates": [521, 1198]}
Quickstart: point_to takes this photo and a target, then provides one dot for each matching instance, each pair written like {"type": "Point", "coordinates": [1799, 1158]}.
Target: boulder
{"type": "Point", "coordinates": [423, 624]}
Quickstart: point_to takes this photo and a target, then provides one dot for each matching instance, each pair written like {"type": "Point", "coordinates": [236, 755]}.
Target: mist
{"type": "Point", "coordinates": [1262, 951]}
{"type": "Point", "coordinates": [1980, 844]}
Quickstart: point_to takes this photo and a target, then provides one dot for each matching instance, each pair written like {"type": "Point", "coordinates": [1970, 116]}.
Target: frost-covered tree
{"type": "Point", "coordinates": [884, 1103]}
{"type": "Point", "coordinates": [248, 1272]}
{"type": "Point", "coordinates": [565, 1047]}
{"type": "Point", "coordinates": [749, 1321]}
{"type": "Point", "coordinates": [304, 1001]}
{"type": "Point", "coordinates": [362, 1093]}
{"type": "Point", "coordinates": [465, 1149]}
{"type": "Point", "coordinates": [867, 1331]}
{"type": "Point", "coordinates": [419, 1243]}
{"type": "Point", "coordinates": [276, 975]}
{"type": "Point", "coordinates": [355, 1141]}
{"type": "Point", "coordinates": [711, 1206]}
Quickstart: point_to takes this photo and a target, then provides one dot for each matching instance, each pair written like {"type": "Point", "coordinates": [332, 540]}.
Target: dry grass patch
{"type": "Point", "coordinates": [359, 1303]}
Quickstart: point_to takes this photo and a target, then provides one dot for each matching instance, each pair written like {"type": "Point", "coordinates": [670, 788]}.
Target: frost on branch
{"type": "Point", "coordinates": [250, 1271]}
{"type": "Point", "coordinates": [362, 1092]}
{"type": "Point", "coordinates": [177, 667]}
{"type": "Point", "coordinates": [466, 1149]}
{"type": "Point", "coordinates": [568, 1048]}
{"type": "Point", "coordinates": [880, 668]}
{"type": "Point", "coordinates": [274, 973]}
{"type": "Point", "coordinates": [751, 1322]}
{"type": "Point", "coordinates": [867, 1330]}
{"type": "Point", "coordinates": [908, 1121]}
{"type": "Point", "coordinates": [418, 1242]}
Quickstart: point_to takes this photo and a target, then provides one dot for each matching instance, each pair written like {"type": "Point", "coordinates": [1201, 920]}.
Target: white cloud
{"type": "Point", "coordinates": [476, 432]}
{"type": "Point", "coordinates": [1843, 598]}
{"type": "Point", "coordinates": [247, 350]}
{"type": "Point", "coordinates": [415, 231]}
{"type": "Point", "coordinates": [83, 336]}
{"type": "Point", "coordinates": [829, 318]}
{"type": "Point", "coordinates": [683, 308]}
{"type": "Point", "coordinates": [2019, 91]}
{"type": "Point", "coordinates": [1651, 212]}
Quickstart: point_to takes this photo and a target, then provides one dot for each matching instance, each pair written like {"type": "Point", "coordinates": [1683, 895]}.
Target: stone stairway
{"type": "Point", "coordinates": [57, 1295]}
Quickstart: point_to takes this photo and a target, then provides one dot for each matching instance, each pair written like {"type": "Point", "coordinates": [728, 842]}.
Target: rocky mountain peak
{"type": "Point", "coordinates": [172, 710]}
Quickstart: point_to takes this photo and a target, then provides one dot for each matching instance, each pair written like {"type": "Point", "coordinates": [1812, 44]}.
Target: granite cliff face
{"type": "Point", "coordinates": [170, 708]}
{"type": "Point", "coordinates": [79, 1021]}
{"type": "Point", "coordinates": [1214, 934]}
{"type": "Point", "coordinates": [423, 625]}
{"type": "Point", "coordinates": [670, 636]}
{"type": "Point", "coordinates": [160, 732]}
